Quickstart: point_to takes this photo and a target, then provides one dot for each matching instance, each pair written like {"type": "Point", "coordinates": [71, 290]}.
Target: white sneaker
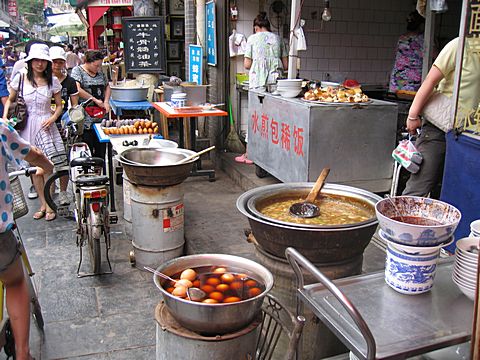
{"type": "Point", "coordinates": [63, 198]}
{"type": "Point", "coordinates": [32, 194]}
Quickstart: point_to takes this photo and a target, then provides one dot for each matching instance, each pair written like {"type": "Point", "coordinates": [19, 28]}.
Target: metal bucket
{"type": "Point", "coordinates": [127, 204]}
{"type": "Point", "coordinates": [158, 224]}
{"type": "Point", "coordinates": [317, 340]}
{"type": "Point", "coordinates": [175, 342]}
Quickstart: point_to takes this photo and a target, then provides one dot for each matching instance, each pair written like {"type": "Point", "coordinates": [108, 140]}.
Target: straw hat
{"type": "Point", "coordinates": [39, 51]}
{"type": "Point", "coordinates": [57, 52]}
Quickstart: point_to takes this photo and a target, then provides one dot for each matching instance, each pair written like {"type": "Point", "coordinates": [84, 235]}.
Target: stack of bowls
{"type": "Point", "coordinates": [466, 265]}
{"type": "Point", "coordinates": [475, 228]}
{"type": "Point", "coordinates": [415, 229]}
{"type": "Point", "coordinates": [289, 88]}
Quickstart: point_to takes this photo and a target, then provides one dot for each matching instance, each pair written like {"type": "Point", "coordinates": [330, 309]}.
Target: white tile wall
{"type": "Point", "coordinates": [360, 39]}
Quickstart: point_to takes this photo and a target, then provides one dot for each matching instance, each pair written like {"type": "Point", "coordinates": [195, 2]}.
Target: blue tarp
{"type": "Point", "coordinates": [461, 180]}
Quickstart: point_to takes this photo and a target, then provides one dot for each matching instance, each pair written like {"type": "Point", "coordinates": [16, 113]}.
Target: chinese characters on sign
{"type": "Point", "coordinates": [211, 34]}
{"type": "Point", "coordinates": [279, 133]}
{"type": "Point", "coordinates": [144, 44]}
{"type": "Point", "coordinates": [195, 60]}
{"type": "Point", "coordinates": [12, 8]}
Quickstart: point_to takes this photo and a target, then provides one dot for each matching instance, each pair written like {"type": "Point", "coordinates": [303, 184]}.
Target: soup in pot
{"type": "Point", "coordinates": [334, 210]}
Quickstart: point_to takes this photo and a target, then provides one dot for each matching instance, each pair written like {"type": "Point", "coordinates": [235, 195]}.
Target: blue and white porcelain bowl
{"type": "Point", "coordinates": [437, 220]}
{"type": "Point", "coordinates": [410, 274]}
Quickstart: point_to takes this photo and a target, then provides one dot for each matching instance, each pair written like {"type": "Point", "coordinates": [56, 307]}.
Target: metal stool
{"type": "Point", "coordinates": [277, 321]}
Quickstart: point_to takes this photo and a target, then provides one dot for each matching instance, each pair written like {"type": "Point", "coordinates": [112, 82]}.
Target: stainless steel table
{"type": "Point", "coordinates": [376, 322]}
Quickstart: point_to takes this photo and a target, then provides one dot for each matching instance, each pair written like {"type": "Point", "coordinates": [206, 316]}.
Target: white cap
{"type": "Point", "coordinates": [39, 51]}
{"type": "Point", "coordinates": [57, 52]}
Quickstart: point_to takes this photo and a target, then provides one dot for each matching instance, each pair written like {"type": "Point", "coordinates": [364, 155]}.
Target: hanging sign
{"type": "Point", "coordinates": [144, 39]}
{"type": "Point", "coordinates": [110, 3]}
{"type": "Point", "coordinates": [12, 8]}
{"type": "Point", "coordinates": [211, 34]}
{"type": "Point", "coordinates": [195, 60]}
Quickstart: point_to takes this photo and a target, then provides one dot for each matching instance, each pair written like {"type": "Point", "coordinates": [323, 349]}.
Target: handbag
{"type": "Point", "coordinates": [18, 108]}
{"type": "Point", "coordinates": [439, 111]}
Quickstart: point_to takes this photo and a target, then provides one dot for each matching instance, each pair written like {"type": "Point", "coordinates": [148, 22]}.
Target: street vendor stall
{"type": "Point", "coordinates": [294, 139]}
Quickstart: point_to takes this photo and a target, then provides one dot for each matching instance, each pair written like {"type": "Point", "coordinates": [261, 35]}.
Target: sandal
{"type": "Point", "coordinates": [51, 215]}
{"type": "Point", "coordinates": [39, 214]}
{"type": "Point", "coordinates": [243, 159]}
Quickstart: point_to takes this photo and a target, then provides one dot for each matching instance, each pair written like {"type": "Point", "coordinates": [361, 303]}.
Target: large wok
{"type": "Point", "coordinates": [321, 244]}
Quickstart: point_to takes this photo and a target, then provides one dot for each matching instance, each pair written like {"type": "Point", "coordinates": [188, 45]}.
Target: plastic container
{"type": "Point", "coordinates": [196, 94]}
{"type": "Point", "coordinates": [178, 100]}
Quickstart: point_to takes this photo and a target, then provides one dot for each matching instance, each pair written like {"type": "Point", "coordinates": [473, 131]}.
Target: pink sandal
{"type": "Point", "coordinates": [243, 159]}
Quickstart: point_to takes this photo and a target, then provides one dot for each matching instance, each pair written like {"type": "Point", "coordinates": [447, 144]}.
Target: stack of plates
{"type": "Point", "coordinates": [475, 228]}
{"type": "Point", "coordinates": [466, 265]}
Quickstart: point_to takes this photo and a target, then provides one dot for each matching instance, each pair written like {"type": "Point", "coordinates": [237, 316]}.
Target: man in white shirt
{"type": "Point", "coordinates": [72, 59]}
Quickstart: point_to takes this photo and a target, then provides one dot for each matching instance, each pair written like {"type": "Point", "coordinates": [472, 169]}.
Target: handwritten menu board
{"type": "Point", "coordinates": [144, 39]}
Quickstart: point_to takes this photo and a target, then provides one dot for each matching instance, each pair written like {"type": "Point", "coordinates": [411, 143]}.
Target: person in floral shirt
{"type": "Point", "coordinates": [407, 70]}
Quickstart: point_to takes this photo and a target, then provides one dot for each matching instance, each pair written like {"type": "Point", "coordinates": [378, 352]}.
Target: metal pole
{"type": "Point", "coordinates": [293, 53]}
{"type": "Point", "coordinates": [428, 40]}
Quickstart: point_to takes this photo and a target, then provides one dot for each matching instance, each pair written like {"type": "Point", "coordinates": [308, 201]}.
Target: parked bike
{"type": "Point", "coordinates": [85, 198]}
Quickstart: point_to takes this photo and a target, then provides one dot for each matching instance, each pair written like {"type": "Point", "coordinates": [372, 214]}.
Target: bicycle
{"type": "Point", "coordinates": [20, 209]}
{"type": "Point", "coordinates": [86, 199]}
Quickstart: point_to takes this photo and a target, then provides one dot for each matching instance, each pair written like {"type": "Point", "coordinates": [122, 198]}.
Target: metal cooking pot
{"type": "Point", "coordinates": [128, 93]}
{"type": "Point", "coordinates": [214, 319]}
{"type": "Point", "coordinates": [157, 165]}
{"type": "Point", "coordinates": [321, 244]}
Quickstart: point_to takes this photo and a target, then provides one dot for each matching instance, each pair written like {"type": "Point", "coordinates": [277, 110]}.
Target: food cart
{"type": "Point", "coordinates": [293, 140]}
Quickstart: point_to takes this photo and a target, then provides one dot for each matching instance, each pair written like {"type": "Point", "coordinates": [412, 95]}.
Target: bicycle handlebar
{"type": "Point", "coordinates": [27, 172]}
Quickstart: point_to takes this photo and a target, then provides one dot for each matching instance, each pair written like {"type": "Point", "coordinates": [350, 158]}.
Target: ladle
{"type": "Point", "coordinates": [188, 158]}
{"type": "Point", "coordinates": [307, 209]}
{"type": "Point", "coordinates": [193, 293]}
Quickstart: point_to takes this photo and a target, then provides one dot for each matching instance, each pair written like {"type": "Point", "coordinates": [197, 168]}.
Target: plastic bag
{"type": "Point", "coordinates": [407, 155]}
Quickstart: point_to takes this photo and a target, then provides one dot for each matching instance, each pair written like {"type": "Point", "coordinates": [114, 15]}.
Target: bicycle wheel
{"type": "Point", "coordinates": [94, 230]}
{"type": "Point", "coordinates": [62, 202]}
{"type": "Point", "coordinates": [36, 309]}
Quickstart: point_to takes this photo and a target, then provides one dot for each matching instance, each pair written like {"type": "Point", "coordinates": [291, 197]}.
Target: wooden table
{"type": "Point", "coordinates": [187, 130]}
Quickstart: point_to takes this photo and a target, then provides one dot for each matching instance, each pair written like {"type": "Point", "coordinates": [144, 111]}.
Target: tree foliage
{"type": "Point", "coordinates": [32, 10]}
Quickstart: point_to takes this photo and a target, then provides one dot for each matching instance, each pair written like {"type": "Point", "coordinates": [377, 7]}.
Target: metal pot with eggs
{"type": "Point", "coordinates": [217, 316]}
{"type": "Point", "coordinates": [320, 240]}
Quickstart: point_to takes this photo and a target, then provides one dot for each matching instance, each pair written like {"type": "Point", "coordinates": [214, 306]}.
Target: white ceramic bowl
{"type": "Point", "coordinates": [405, 233]}
{"type": "Point", "coordinates": [468, 277]}
{"type": "Point", "coordinates": [464, 260]}
{"type": "Point", "coordinates": [467, 291]}
{"type": "Point", "coordinates": [410, 274]}
{"type": "Point", "coordinates": [464, 267]}
{"type": "Point", "coordinates": [468, 284]}
{"type": "Point", "coordinates": [469, 247]}
{"type": "Point", "coordinates": [290, 82]}
{"type": "Point", "coordinates": [289, 93]}
{"type": "Point", "coordinates": [475, 227]}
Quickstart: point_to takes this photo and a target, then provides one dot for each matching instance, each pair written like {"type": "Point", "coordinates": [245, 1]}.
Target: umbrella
{"type": "Point", "coordinates": [69, 24]}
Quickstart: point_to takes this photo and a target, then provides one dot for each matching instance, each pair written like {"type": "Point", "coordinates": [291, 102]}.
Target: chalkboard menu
{"type": "Point", "coordinates": [144, 39]}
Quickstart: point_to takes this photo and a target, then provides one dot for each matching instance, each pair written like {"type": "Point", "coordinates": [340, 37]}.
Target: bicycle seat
{"type": "Point", "coordinates": [87, 162]}
{"type": "Point", "coordinates": [92, 180]}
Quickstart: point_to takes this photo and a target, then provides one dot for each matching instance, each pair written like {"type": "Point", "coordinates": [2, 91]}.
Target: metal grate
{"type": "Point", "coordinates": [20, 207]}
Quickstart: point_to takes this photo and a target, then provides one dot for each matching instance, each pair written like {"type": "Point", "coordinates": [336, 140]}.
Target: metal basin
{"type": "Point", "coordinates": [214, 319]}
{"type": "Point", "coordinates": [156, 166]}
{"type": "Point", "coordinates": [129, 93]}
{"type": "Point", "coordinates": [321, 244]}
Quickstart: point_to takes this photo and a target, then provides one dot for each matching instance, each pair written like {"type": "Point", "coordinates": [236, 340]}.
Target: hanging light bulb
{"type": "Point", "coordinates": [327, 15]}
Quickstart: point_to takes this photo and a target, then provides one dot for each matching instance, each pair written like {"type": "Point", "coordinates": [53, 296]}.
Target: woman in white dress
{"type": "Point", "coordinates": [39, 87]}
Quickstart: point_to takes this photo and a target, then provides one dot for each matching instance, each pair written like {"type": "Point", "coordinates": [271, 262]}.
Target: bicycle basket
{"type": "Point", "coordinates": [51, 144]}
{"type": "Point", "coordinates": [20, 207]}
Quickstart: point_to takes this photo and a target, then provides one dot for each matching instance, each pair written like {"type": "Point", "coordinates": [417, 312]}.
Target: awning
{"type": "Point", "coordinates": [3, 24]}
